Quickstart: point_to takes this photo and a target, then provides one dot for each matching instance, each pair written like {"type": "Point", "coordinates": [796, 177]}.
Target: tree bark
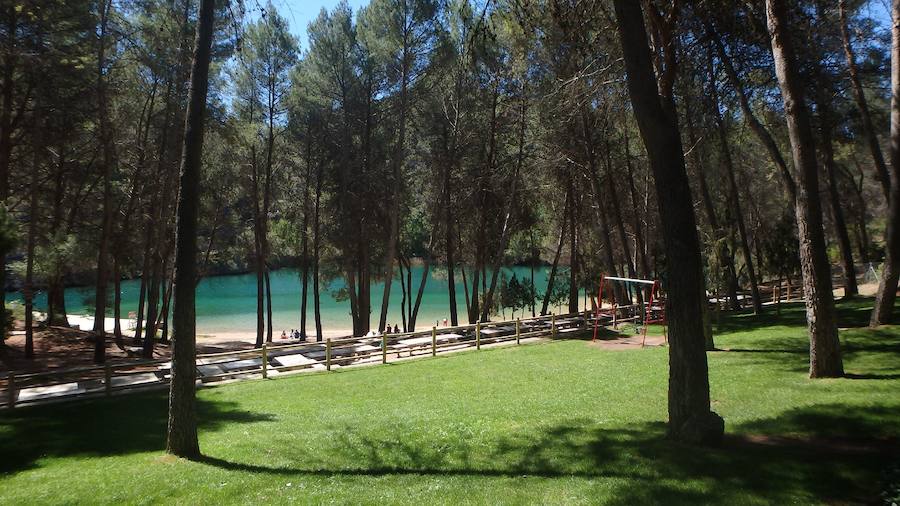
{"type": "Point", "coordinates": [397, 169]}
{"type": "Point", "coordinates": [824, 350]}
{"type": "Point", "coordinates": [449, 244]}
{"type": "Point", "coordinates": [181, 437]}
{"type": "Point", "coordinates": [882, 314]}
{"type": "Point", "coordinates": [834, 199]}
{"type": "Point", "coordinates": [573, 253]}
{"type": "Point", "coordinates": [551, 278]}
{"type": "Point", "coordinates": [316, 241]}
{"type": "Point", "coordinates": [117, 302]}
{"type": "Point", "coordinates": [108, 160]}
{"type": "Point", "coordinates": [690, 418]}
{"type": "Point", "coordinates": [6, 143]}
{"type": "Point", "coordinates": [28, 288]}
{"type": "Point", "coordinates": [304, 237]}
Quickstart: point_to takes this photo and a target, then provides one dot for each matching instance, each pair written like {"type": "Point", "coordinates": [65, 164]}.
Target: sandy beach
{"type": "Point", "coordinates": [85, 322]}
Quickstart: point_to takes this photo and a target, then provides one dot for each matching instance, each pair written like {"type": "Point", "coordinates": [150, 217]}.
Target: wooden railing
{"type": "Point", "coordinates": [109, 379]}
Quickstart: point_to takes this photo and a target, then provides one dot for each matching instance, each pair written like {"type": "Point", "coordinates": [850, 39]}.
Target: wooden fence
{"type": "Point", "coordinates": [275, 359]}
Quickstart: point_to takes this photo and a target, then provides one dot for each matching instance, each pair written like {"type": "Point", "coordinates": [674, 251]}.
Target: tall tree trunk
{"type": "Point", "coordinates": [825, 349]}
{"type": "Point", "coordinates": [887, 289]}
{"type": "Point", "coordinates": [157, 222]}
{"type": "Point", "coordinates": [181, 436]}
{"type": "Point", "coordinates": [6, 143]}
{"type": "Point", "coordinates": [859, 211]}
{"type": "Point", "coordinates": [551, 278]}
{"type": "Point", "coordinates": [268, 280]}
{"type": "Point", "coordinates": [117, 302]}
{"type": "Point", "coordinates": [316, 241]}
{"type": "Point", "coordinates": [534, 258]}
{"type": "Point", "coordinates": [834, 199]}
{"type": "Point", "coordinates": [304, 238]}
{"type": "Point", "coordinates": [397, 169]}
{"type": "Point", "coordinates": [449, 244]}
{"type": "Point", "coordinates": [735, 199]}
{"type": "Point", "coordinates": [142, 295]}
{"type": "Point", "coordinates": [617, 213]}
{"type": "Point", "coordinates": [28, 289]}
{"type": "Point", "coordinates": [108, 160]}
{"type": "Point", "coordinates": [594, 176]}
{"type": "Point", "coordinates": [636, 215]}
{"type": "Point", "coordinates": [763, 135]}
{"type": "Point", "coordinates": [881, 171]}
{"type": "Point", "coordinates": [403, 294]}
{"type": "Point", "coordinates": [152, 303]}
{"type": "Point", "coordinates": [573, 253]}
{"type": "Point", "coordinates": [723, 252]}
{"type": "Point", "coordinates": [260, 259]}
{"type": "Point", "coordinates": [690, 417]}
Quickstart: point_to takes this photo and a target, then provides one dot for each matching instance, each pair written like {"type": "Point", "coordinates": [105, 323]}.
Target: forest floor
{"type": "Point", "coordinates": [64, 348]}
{"type": "Point", "coordinates": [562, 422]}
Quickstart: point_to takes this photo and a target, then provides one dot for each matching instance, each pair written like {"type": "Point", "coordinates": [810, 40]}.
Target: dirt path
{"type": "Point", "coordinates": [626, 342]}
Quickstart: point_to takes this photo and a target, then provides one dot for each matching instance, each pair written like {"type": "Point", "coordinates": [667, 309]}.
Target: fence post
{"type": "Point", "coordinates": [265, 360]}
{"type": "Point", "coordinates": [778, 299]}
{"type": "Point", "coordinates": [518, 331]}
{"type": "Point", "coordinates": [383, 349]}
{"type": "Point", "coordinates": [718, 308]}
{"type": "Point", "coordinates": [11, 390]}
{"type": "Point", "coordinates": [433, 341]}
{"type": "Point", "coordinates": [477, 335]}
{"type": "Point", "coordinates": [328, 354]}
{"type": "Point", "coordinates": [788, 293]}
{"type": "Point", "coordinates": [587, 315]}
{"type": "Point", "coordinates": [107, 379]}
{"type": "Point", "coordinates": [553, 325]}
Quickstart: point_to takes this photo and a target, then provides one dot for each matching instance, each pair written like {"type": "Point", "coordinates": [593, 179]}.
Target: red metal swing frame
{"type": "Point", "coordinates": [648, 309]}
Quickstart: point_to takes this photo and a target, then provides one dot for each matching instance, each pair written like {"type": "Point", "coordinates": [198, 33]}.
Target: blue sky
{"type": "Point", "coordinates": [299, 13]}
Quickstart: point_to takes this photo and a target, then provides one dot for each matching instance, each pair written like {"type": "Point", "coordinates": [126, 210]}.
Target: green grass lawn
{"type": "Point", "coordinates": [555, 423]}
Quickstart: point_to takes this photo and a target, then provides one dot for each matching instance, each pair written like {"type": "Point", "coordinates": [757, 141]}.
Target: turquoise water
{"type": "Point", "coordinates": [228, 303]}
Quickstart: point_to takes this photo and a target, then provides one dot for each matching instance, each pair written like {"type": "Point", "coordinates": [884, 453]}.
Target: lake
{"type": "Point", "coordinates": [228, 303]}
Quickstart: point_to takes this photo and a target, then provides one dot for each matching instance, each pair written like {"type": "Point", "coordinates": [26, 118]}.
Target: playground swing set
{"type": "Point", "coordinates": [643, 314]}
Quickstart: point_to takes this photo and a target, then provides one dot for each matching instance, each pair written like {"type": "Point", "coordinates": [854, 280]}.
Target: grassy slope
{"type": "Point", "coordinates": [553, 423]}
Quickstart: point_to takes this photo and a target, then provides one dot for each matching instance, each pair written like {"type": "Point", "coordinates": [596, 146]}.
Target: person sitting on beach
{"type": "Point", "coordinates": [295, 334]}
{"type": "Point", "coordinates": [284, 334]}
{"type": "Point", "coordinates": [396, 329]}
{"type": "Point", "coordinates": [387, 329]}
{"type": "Point", "coordinates": [445, 322]}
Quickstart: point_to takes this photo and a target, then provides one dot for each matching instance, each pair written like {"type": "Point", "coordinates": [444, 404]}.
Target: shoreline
{"type": "Point", "coordinates": [204, 336]}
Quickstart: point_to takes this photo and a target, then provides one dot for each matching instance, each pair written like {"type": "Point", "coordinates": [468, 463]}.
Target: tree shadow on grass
{"type": "Point", "coordinates": [865, 352]}
{"type": "Point", "coordinates": [792, 460]}
{"type": "Point", "coordinates": [106, 427]}
{"type": "Point", "coordinates": [851, 313]}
